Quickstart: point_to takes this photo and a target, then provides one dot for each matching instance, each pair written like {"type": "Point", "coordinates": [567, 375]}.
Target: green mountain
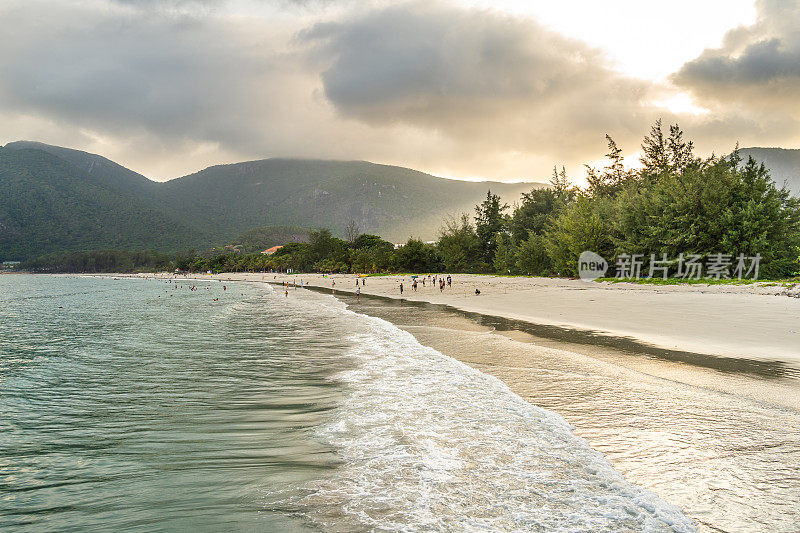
{"type": "Point", "coordinates": [117, 178]}
{"type": "Point", "coordinates": [110, 173]}
{"type": "Point", "coordinates": [393, 202]}
{"type": "Point", "coordinates": [49, 204]}
{"type": "Point", "coordinates": [784, 165]}
{"type": "Point", "coordinates": [57, 198]}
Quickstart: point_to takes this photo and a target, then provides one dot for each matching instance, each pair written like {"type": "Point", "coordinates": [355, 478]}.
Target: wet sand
{"type": "Point", "coordinates": [727, 334]}
{"type": "Point", "coordinates": [757, 322]}
{"type": "Point", "coordinates": [730, 460]}
{"type": "Point", "coordinates": [749, 321]}
{"type": "Point", "coordinates": [715, 431]}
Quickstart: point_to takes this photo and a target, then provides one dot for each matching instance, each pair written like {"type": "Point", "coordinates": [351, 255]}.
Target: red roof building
{"type": "Point", "coordinates": [270, 251]}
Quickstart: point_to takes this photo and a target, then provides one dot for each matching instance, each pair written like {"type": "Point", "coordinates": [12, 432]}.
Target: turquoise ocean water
{"type": "Point", "coordinates": [144, 405]}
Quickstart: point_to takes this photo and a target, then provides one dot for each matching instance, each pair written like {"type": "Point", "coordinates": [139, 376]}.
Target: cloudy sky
{"type": "Point", "coordinates": [468, 89]}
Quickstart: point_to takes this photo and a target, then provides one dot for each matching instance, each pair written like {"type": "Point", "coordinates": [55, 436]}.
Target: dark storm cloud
{"type": "Point", "coordinates": [463, 91]}
{"type": "Point", "coordinates": [171, 75]}
{"type": "Point", "coordinates": [379, 83]}
{"type": "Point", "coordinates": [757, 67]}
{"type": "Point", "coordinates": [478, 76]}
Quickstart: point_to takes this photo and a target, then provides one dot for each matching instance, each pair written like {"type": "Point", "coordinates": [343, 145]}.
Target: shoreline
{"type": "Point", "coordinates": [737, 345]}
{"type": "Point", "coordinates": [759, 375]}
{"type": "Point", "coordinates": [659, 429]}
{"type": "Point", "coordinates": [772, 382]}
{"type": "Point", "coordinates": [746, 321]}
{"type": "Point", "coordinates": [656, 421]}
{"type": "Point", "coordinates": [668, 426]}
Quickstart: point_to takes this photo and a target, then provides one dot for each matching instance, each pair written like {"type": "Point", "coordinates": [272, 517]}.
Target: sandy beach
{"type": "Point", "coordinates": [716, 337]}
{"type": "Point", "coordinates": [693, 405]}
{"type": "Point", "coordinates": [751, 321]}
{"type": "Point", "coordinates": [673, 427]}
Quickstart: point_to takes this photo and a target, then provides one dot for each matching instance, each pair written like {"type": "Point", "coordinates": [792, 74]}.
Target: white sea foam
{"type": "Point", "coordinates": [428, 443]}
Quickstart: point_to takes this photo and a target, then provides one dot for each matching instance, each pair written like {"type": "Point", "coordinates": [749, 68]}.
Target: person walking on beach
{"type": "Point", "coordinates": [449, 281]}
{"type": "Point", "coordinates": [358, 294]}
{"type": "Point", "coordinates": [414, 285]}
{"type": "Point", "coordinates": [401, 288]}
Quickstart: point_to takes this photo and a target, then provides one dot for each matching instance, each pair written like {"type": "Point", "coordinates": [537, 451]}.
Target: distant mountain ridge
{"type": "Point", "coordinates": [394, 202]}
{"type": "Point", "coordinates": [93, 164]}
{"type": "Point", "coordinates": [783, 163]}
{"type": "Point", "coordinates": [58, 198]}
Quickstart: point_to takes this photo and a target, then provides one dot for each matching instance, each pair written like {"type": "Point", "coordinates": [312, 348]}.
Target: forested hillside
{"type": "Point", "coordinates": [50, 205]}
{"type": "Point", "coordinates": [393, 202]}
{"type": "Point", "coordinates": [59, 199]}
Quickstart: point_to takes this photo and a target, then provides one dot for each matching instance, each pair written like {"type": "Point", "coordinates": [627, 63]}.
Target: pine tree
{"type": "Point", "coordinates": [559, 182]}
{"type": "Point", "coordinates": [609, 182]}
{"type": "Point", "coordinates": [680, 153]}
{"type": "Point", "coordinates": [654, 151]}
{"type": "Point", "coordinates": [489, 223]}
{"type": "Point", "coordinates": [735, 157]}
{"type": "Point", "coordinates": [616, 168]}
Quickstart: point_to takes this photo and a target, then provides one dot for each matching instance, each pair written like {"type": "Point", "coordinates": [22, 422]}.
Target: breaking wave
{"type": "Point", "coordinates": [429, 443]}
